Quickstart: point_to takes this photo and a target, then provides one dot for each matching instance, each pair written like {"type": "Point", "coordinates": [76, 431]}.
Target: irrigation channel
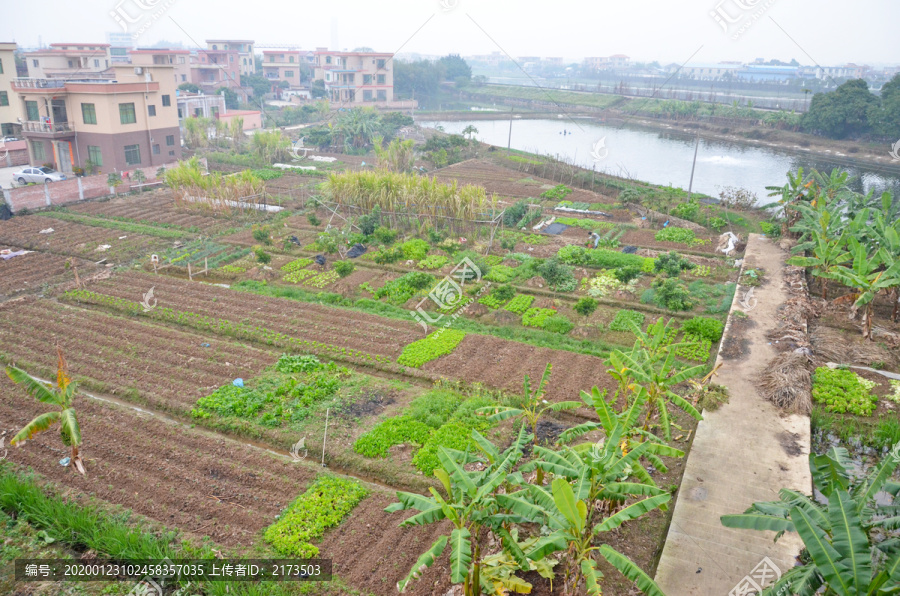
{"type": "Point", "coordinates": [665, 158]}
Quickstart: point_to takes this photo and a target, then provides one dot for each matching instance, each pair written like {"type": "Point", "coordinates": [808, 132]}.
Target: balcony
{"type": "Point", "coordinates": [56, 130]}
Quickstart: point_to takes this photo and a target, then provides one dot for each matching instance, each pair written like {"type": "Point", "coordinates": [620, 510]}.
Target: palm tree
{"type": "Point", "coordinates": [60, 396]}
{"type": "Point", "coordinates": [846, 533]}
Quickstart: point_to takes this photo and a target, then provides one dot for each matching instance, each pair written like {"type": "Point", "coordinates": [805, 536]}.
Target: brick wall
{"type": "Point", "coordinates": [41, 196]}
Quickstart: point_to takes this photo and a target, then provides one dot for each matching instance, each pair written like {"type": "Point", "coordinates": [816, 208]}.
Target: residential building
{"type": "Point", "coordinates": [119, 46]}
{"type": "Point", "coordinates": [847, 71]}
{"type": "Point", "coordinates": [198, 105]}
{"type": "Point", "coordinates": [179, 59]}
{"type": "Point", "coordinates": [211, 69]}
{"type": "Point", "coordinates": [614, 62]}
{"type": "Point", "coordinates": [283, 65]}
{"type": "Point", "coordinates": [118, 124]}
{"type": "Point", "coordinates": [710, 72]}
{"type": "Point", "coordinates": [356, 77]}
{"type": "Point", "coordinates": [251, 119]}
{"type": "Point", "coordinates": [70, 60]}
{"type": "Point", "coordinates": [10, 107]}
{"type": "Point", "coordinates": [244, 48]}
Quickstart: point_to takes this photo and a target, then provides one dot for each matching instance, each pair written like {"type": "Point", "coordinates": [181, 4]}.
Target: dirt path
{"type": "Point", "coordinates": [744, 452]}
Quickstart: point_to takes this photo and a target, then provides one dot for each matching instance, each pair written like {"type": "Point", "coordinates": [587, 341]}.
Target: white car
{"type": "Point", "coordinates": [38, 175]}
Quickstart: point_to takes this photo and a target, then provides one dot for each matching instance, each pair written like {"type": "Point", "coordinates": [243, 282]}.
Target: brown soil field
{"type": "Point", "coordinates": [155, 207]}
{"type": "Point", "coordinates": [507, 182]}
{"type": "Point", "coordinates": [503, 364]}
{"type": "Point", "coordinates": [165, 368]}
{"type": "Point", "coordinates": [74, 239]}
{"type": "Point", "coordinates": [209, 486]}
{"type": "Point", "coordinates": [368, 333]}
{"type": "Point", "coordinates": [28, 273]}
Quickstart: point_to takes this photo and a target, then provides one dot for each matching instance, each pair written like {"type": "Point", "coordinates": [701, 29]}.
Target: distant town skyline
{"type": "Point", "coordinates": [812, 32]}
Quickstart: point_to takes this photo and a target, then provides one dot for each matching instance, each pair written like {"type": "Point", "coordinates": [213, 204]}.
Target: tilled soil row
{"type": "Point", "coordinates": [343, 328]}
{"type": "Point", "coordinates": [167, 368]}
{"type": "Point", "coordinates": [153, 210]}
{"type": "Point", "coordinates": [74, 239]}
{"type": "Point", "coordinates": [29, 272]}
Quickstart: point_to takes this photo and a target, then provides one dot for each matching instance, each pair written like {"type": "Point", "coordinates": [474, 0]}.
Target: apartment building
{"type": "Point", "coordinates": [244, 48]}
{"type": "Point", "coordinates": [118, 124]}
{"type": "Point", "coordinates": [357, 78]}
{"type": "Point", "coordinates": [180, 60]}
{"type": "Point", "coordinates": [211, 69]}
{"type": "Point", "coordinates": [283, 65]}
{"type": "Point", "coordinates": [68, 60]}
{"type": "Point", "coordinates": [10, 107]}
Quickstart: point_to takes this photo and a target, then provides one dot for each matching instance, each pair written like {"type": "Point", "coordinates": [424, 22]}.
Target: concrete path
{"type": "Point", "coordinates": [743, 452]}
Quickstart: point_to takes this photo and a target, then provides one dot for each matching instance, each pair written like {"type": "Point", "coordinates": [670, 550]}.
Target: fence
{"type": "Point", "coordinates": [41, 196]}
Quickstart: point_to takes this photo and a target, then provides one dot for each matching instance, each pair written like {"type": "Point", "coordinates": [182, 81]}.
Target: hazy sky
{"type": "Point", "coordinates": [829, 31]}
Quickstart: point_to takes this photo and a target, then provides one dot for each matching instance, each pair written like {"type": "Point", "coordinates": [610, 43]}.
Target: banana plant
{"type": "Point", "coordinates": [588, 476]}
{"type": "Point", "coordinates": [849, 550]}
{"type": "Point", "coordinates": [627, 423]}
{"type": "Point", "coordinates": [871, 272]}
{"type": "Point", "coordinates": [649, 367]}
{"type": "Point", "coordinates": [470, 505]}
{"type": "Point", "coordinates": [824, 236]}
{"type": "Point", "coordinates": [531, 409]}
{"type": "Point", "coordinates": [61, 397]}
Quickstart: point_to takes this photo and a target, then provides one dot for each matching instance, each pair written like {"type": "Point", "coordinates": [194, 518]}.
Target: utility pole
{"type": "Point", "coordinates": [509, 140]}
{"type": "Point", "coordinates": [693, 166]}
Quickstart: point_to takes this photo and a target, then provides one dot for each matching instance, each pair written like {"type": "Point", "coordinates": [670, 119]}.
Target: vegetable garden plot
{"type": "Point", "coordinates": [76, 239]}
{"type": "Point", "coordinates": [155, 210]}
{"type": "Point", "coordinates": [346, 330]}
{"type": "Point", "coordinates": [166, 368]}
{"type": "Point", "coordinates": [501, 363]}
{"type": "Point", "coordinates": [30, 272]}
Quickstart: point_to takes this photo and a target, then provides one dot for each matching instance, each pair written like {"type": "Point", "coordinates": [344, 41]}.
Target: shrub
{"type": "Point", "coordinates": [558, 324]}
{"type": "Point", "coordinates": [672, 294]}
{"type": "Point", "coordinates": [842, 391]}
{"type": "Point", "coordinates": [504, 293]}
{"type": "Point", "coordinates": [385, 235]}
{"type": "Point", "coordinates": [323, 505]}
{"type": "Point", "coordinates": [393, 431]}
{"type": "Point", "coordinates": [433, 262]}
{"type": "Point", "coordinates": [519, 304]}
{"type": "Point", "coordinates": [688, 210]}
{"type": "Point", "coordinates": [585, 305]}
{"type": "Point", "coordinates": [513, 214]}
{"type": "Point", "coordinates": [313, 219]}
{"type": "Point", "coordinates": [624, 318]}
{"type": "Point", "coordinates": [435, 408]}
{"type": "Point", "coordinates": [710, 329]}
{"type": "Point", "coordinates": [672, 264]}
{"type": "Point", "coordinates": [387, 255]}
{"type": "Point", "coordinates": [262, 234]}
{"type": "Point", "coordinates": [770, 229]}
{"type": "Point", "coordinates": [262, 256]}
{"type": "Point", "coordinates": [369, 222]}
{"type": "Point", "coordinates": [344, 268]}
{"type": "Point", "coordinates": [434, 346]}
{"type": "Point", "coordinates": [415, 249]}
{"type": "Point", "coordinates": [554, 272]}
{"type": "Point", "coordinates": [673, 234]}
{"type": "Point", "coordinates": [627, 273]}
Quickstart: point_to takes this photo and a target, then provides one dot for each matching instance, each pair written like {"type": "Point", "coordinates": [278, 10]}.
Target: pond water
{"type": "Point", "coordinates": [665, 158]}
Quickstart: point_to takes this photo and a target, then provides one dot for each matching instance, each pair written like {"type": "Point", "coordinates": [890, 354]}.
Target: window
{"type": "Point", "coordinates": [382, 79]}
{"type": "Point", "coordinates": [367, 95]}
{"type": "Point", "coordinates": [183, 78]}
{"type": "Point", "coordinates": [367, 79]}
{"type": "Point", "coordinates": [381, 63]}
{"type": "Point", "coordinates": [94, 155]}
{"type": "Point", "coordinates": [127, 114]}
{"type": "Point", "coordinates": [35, 63]}
{"type": "Point", "coordinates": [1, 66]}
{"type": "Point", "coordinates": [289, 74]}
{"type": "Point", "coordinates": [38, 150]}
{"type": "Point", "coordinates": [156, 149]}
{"type": "Point", "coordinates": [96, 64]}
{"type": "Point", "coordinates": [382, 95]}
{"type": "Point", "coordinates": [151, 110]}
{"type": "Point", "coordinates": [31, 109]}
{"type": "Point", "coordinates": [88, 113]}
{"type": "Point", "coordinates": [215, 47]}
{"type": "Point", "coordinates": [166, 101]}
{"type": "Point", "coordinates": [71, 64]}
{"type": "Point", "coordinates": [232, 58]}
{"type": "Point", "coordinates": [327, 60]}
{"type": "Point", "coordinates": [290, 59]}
{"type": "Point", "coordinates": [170, 140]}
{"type": "Point", "coordinates": [133, 155]}
{"type": "Point", "coordinates": [181, 60]}
{"type": "Point", "coordinates": [171, 153]}
{"type": "Point", "coordinates": [4, 98]}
